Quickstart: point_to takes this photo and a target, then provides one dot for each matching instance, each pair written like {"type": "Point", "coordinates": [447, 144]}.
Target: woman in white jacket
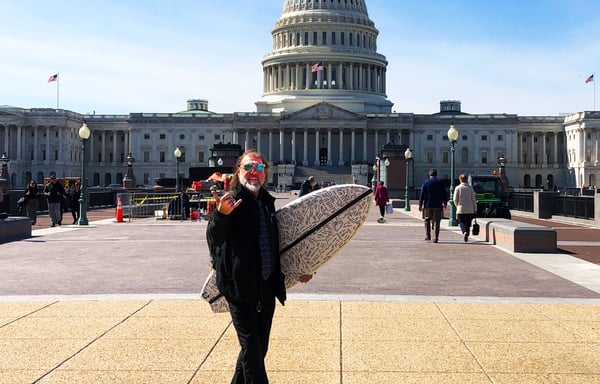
{"type": "Point", "coordinates": [466, 205]}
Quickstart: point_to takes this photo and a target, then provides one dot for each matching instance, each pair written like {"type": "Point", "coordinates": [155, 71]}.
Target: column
{"type": "Point", "coordinates": [115, 153]}
{"type": "Point", "coordinates": [48, 147]}
{"type": "Point", "coordinates": [340, 81]}
{"type": "Point", "coordinates": [19, 143]}
{"type": "Point", "coordinates": [361, 76]}
{"type": "Point", "coordinates": [35, 145]}
{"type": "Point", "coordinates": [305, 148]}
{"type": "Point", "coordinates": [293, 146]}
{"type": "Point", "coordinates": [353, 147]}
{"type": "Point", "coordinates": [532, 148]}
{"type": "Point", "coordinates": [341, 147]}
{"type": "Point", "coordinates": [247, 140]}
{"type": "Point", "coordinates": [308, 77]}
{"type": "Point", "coordinates": [555, 148]}
{"type": "Point", "coordinates": [317, 148]}
{"type": "Point", "coordinates": [270, 145]}
{"type": "Point", "coordinates": [351, 77]}
{"type": "Point", "coordinates": [544, 155]}
{"type": "Point", "coordinates": [281, 145]}
{"type": "Point", "coordinates": [329, 147]}
{"type": "Point", "coordinates": [364, 156]}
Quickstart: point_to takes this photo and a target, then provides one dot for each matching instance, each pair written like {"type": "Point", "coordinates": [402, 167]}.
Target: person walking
{"type": "Point", "coordinates": [432, 200]}
{"type": "Point", "coordinates": [74, 194]}
{"type": "Point", "coordinates": [466, 205]}
{"type": "Point", "coordinates": [32, 200]}
{"type": "Point", "coordinates": [307, 186]}
{"type": "Point", "coordinates": [55, 192]}
{"type": "Point", "coordinates": [381, 200]}
{"type": "Point", "coordinates": [243, 239]}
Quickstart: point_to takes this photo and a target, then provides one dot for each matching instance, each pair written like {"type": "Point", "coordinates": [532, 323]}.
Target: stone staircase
{"type": "Point", "coordinates": [325, 175]}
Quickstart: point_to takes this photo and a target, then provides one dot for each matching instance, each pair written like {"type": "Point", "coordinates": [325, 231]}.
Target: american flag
{"type": "Point", "coordinates": [589, 79]}
{"type": "Point", "coordinates": [318, 67]}
{"type": "Point", "coordinates": [53, 78]}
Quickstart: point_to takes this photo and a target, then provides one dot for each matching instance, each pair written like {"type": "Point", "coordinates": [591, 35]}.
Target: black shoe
{"type": "Point", "coordinates": [427, 238]}
{"type": "Point", "coordinates": [435, 240]}
{"type": "Point", "coordinates": [53, 225]}
{"type": "Point", "coordinates": [466, 236]}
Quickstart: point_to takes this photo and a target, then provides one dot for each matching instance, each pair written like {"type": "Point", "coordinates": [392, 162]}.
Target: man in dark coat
{"type": "Point", "coordinates": [433, 199]}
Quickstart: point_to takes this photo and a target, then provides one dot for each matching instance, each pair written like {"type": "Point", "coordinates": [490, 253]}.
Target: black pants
{"type": "Point", "coordinates": [464, 220]}
{"type": "Point", "coordinates": [253, 329]}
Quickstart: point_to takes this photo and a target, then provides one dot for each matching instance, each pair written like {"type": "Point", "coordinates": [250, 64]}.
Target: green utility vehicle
{"type": "Point", "coordinates": [491, 195]}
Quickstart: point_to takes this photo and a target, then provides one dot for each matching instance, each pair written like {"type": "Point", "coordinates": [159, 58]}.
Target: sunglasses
{"type": "Point", "coordinates": [258, 167]}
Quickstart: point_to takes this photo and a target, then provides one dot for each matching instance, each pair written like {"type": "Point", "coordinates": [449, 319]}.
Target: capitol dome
{"type": "Point", "coordinates": [324, 51]}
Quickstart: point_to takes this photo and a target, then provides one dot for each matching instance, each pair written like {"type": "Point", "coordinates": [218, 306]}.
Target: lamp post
{"type": "Point", "coordinates": [376, 172]}
{"type": "Point", "coordinates": [502, 170]}
{"type": "Point", "coordinates": [4, 176]}
{"type": "Point", "coordinates": [129, 179]}
{"type": "Point", "coordinates": [84, 135]}
{"type": "Point", "coordinates": [407, 157]}
{"type": "Point", "coordinates": [177, 153]}
{"type": "Point", "coordinates": [452, 136]}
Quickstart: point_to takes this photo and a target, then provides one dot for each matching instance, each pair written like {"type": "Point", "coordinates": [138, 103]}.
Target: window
{"type": "Point", "coordinates": [445, 157]}
{"type": "Point", "coordinates": [146, 136]}
{"type": "Point", "coordinates": [429, 156]}
{"type": "Point", "coordinates": [146, 156]}
{"type": "Point", "coordinates": [500, 138]}
{"type": "Point", "coordinates": [483, 137]}
{"type": "Point", "coordinates": [324, 39]}
{"type": "Point", "coordinates": [315, 38]}
{"type": "Point", "coordinates": [162, 156]}
{"type": "Point", "coordinates": [201, 157]}
{"type": "Point", "coordinates": [200, 137]}
{"type": "Point", "coordinates": [484, 157]}
{"type": "Point", "coordinates": [342, 39]}
{"type": "Point", "coordinates": [305, 42]}
{"type": "Point", "coordinates": [162, 136]}
{"type": "Point", "coordinates": [350, 39]}
{"type": "Point", "coordinates": [429, 137]}
{"type": "Point", "coordinates": [332, 38]}
{"type": "Point", "coordinates": [181, 137]}
{"type": "Point", "coordinates": [217, 137]}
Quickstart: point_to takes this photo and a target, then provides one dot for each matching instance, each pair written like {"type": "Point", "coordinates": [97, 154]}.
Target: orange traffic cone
{"type": "Point", "coordinates": [119, 215]}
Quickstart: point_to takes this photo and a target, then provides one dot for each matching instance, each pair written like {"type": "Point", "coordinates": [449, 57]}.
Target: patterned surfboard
{"type": "Point", "coordinates": [312, 229]}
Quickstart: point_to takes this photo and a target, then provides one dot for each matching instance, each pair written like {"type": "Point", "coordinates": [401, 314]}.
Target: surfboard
{"type": "Point", "coordinates": [312, 229]}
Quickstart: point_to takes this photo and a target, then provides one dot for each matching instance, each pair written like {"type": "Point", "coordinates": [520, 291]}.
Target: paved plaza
{"type": "Point", "coordinates": [119, 303]}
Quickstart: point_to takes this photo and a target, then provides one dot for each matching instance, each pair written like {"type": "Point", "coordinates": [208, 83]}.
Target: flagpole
{"type": "Point", "coordinates": [57, 88]}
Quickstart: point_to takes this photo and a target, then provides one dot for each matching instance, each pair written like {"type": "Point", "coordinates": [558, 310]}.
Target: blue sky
{"type": "Point", "coordinates": [529, 57]}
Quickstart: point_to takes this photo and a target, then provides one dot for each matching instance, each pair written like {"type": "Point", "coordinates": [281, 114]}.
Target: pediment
{"type": "Point", "coordinates": [323, 111]}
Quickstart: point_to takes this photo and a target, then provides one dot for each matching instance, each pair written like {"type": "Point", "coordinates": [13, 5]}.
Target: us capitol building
{"type": "Point", "coordinates": [324, 105]}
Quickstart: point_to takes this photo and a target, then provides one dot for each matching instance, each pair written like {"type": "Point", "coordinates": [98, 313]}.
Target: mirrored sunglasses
{"type": "Point", "coordinates": [258, 167]}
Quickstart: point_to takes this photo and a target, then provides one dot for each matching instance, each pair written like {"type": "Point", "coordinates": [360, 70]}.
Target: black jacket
{"type": "Point", "coordinates": [235, 255]}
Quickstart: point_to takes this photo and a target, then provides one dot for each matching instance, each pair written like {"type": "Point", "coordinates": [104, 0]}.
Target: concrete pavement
{"type": "Point", "coordinates": [119, 303]}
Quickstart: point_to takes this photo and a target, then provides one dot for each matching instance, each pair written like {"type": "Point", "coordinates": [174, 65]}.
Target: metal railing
{"type": "Point", "coordinates": [159, 205]}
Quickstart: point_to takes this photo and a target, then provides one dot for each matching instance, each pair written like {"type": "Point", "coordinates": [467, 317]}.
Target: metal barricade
{"type": "Point", "coordinates": [160, 205]}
